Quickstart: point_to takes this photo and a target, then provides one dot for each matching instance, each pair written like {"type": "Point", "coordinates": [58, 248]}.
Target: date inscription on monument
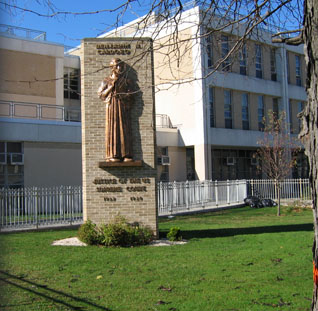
{"type": "Point", "coordinates": [115, 186]}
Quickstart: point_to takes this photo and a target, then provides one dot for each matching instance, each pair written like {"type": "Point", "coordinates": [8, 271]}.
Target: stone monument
{"type": "Point", "coordinates": [118, 131]}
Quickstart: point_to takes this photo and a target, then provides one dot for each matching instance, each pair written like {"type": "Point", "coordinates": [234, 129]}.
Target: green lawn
{"type": "Point", "coordinates": [240, 259]}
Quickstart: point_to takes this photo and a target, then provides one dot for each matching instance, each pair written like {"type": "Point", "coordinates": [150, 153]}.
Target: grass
{"type": "Point", "coordinates": [241, 259]}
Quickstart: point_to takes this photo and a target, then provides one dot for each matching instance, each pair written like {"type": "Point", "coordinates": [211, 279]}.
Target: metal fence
{"type": "Point", "coordinates": [37, 206]}
{"type": "Point", "coordinates": [39, 111]}
{"type": "Point", "coordinates": [179, 197]}
{"type": "Point", "coordinates": [290, 189]}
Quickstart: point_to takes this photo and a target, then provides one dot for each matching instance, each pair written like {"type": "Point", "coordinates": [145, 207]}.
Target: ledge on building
{"type": "Point", "coordinates": [103, 164]}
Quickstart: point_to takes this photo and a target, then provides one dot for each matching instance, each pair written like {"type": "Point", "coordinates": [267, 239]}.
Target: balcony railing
{"type": "Point", "coordinates": [39, 111]}
{"type": "Point", "coordinates": [22, 32]}
{"type": "Point", "coordinates": [17, 110]}
{"type": "Point", "coordinates": [163, 121]}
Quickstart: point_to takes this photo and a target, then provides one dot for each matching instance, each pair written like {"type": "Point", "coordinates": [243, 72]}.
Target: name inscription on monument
{"type": "Point", "coordinates": [116, 186]}
{"type": "Point", "coordinates": [115, 48]}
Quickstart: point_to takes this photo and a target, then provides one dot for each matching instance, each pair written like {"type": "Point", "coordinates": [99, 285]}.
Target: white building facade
{"type": "Point", "coordinates": [216, 113]}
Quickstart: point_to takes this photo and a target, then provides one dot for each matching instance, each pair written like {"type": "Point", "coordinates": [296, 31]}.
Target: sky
{"type": "Point", "coordinates": [67, 29]}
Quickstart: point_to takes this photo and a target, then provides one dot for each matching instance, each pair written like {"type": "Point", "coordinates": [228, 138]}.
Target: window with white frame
{"type": "Point", "coordinates": [211, 106]}
{"type": "Point", "coordinates": [260, 112]}
{"type": "Point", "coordinates": [71, 83]}
{"type": "Point", "coordinates": [228, 109]}
{"type": "Point", "coordinates": [258, 61]}
{"type": "Point", "coordinates": [245, 112]}
{"type": "Point", "coordinates": [298, 70]}
{"type": "Point", "coordinates": [11, 164]}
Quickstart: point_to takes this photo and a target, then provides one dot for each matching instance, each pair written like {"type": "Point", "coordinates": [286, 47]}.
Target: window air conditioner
{"type": "Point", "coordinates": [163, 160]}
{"type": "Point", "coordinates": [3, 158]}
{"type": "Point", "coordinates": [17, 158]}
{"type": "Point", "coordinates": [230, 161]}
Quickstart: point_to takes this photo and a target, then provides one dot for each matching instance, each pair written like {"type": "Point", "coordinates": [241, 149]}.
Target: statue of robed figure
{"type": "Point", "coordinates": [116, 92]}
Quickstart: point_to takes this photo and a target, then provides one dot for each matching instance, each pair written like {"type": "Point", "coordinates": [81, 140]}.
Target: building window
{"type": "Point", "coordinates": [300, 108]}
{"type": "Point", "coordinates": [275, 108]}
{"type": "Point", "coordinates": [287, 64]}
{"type": "Point", "coordinates": [298, 70]}
{"type": "Point", "coordinates": [209, 50]}
{"type": "Point", "coordinates": [260, 112]}
{"type": "Point", "coordinates": [71, 83]}
{"type": "Point", "coordinates": [228, 109]}
{"type": "Point", "coordinates": [243, 61]}
{"type": "Point", "coordinates": [273, 65]}
{"type": "Point", "coordinates": [11, 164]}
{"type": "Point", "coordinates": [258, 61]}
{"type": "Point", "coordinates": [211, 104]}
{"type": "Point", "coordinates": [234, 164]}
{"type": "Point", "coordinates": [190, 167]}
{"type": "Point", "coordinates": [301, 170]}
{"type": "Point", "coordinates": [245, 116]}
{"type": "Point", "coordinates": [225, 52]}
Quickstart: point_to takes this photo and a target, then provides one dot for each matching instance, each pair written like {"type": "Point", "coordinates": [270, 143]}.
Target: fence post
{"type": "Point", "coordinates": [35, 191]}
{"type": "Point", "coordinates": [216, 193]}
{"type": "Point", "coordinates": [228, 191]}
{"type": "Point", "coordinates": [301, 189]}
{"type": "Point", "coordinates": [237, 191]}
{"type": "Point", "coordinates": [71, 194]}
{"type": "Point", "coordinates": [39, 112]}
{"type": "Point", "coordinates": [11, 110]}
{"type": "Point", "coordinates": [202, 189]}
{"type": "Point", "coordinates": [170, 195]}
{"type": "Point", "coordinates": [252, 186]}
{"type": "Point", "coordinates": [187, 194]}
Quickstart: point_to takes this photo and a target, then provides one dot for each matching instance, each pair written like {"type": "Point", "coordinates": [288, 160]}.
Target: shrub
{"type": "Point", "coordinates": [140, 235]}
{"type": "Point", "coordinates": [174, 234]}
{"type": "Point", "coordinates": [117, 233]}
{"type": "Point", "coordinates": [88, 233]}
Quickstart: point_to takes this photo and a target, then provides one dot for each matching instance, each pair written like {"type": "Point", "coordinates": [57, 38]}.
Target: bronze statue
{"type": "Point", "coordinates": [116, 93]}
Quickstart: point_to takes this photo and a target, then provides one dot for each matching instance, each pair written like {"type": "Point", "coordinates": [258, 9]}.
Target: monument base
{"type": "Point", "coordinates": [103, 164]}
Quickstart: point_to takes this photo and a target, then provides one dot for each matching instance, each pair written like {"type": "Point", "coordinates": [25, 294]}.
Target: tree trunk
{"type": "Point", "coordinates": [309, 133]}
{"type": "Point", "coordinates": [278, 206]}
{"type": "Point", "coordinates": [277, 190]}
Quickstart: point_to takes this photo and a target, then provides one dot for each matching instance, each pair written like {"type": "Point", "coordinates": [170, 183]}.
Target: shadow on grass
{"type": "Point", "coordinates": [47, 293]}
{"type": "Point", "coordinates": [226, 232]}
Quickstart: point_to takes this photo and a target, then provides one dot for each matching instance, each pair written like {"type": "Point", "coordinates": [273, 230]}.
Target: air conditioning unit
{"type": "Point", "coordinates": [163, 160]}
{"type": "Point", "coordinates": [3, 158]}
{"type": "Point", "coordinates": [17, 158]}
{"type": "Point", "coordinates": [230, 161]}
{"type": "Point", "coordinates": [254, 161]}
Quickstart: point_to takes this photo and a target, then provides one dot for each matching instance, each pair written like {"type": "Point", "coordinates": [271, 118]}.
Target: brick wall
{"type": "Point", "coordinates": [125, 191]}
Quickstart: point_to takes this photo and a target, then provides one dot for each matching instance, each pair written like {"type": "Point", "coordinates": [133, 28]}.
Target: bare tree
{"type": "Point", "coordinates": [277, 151]}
